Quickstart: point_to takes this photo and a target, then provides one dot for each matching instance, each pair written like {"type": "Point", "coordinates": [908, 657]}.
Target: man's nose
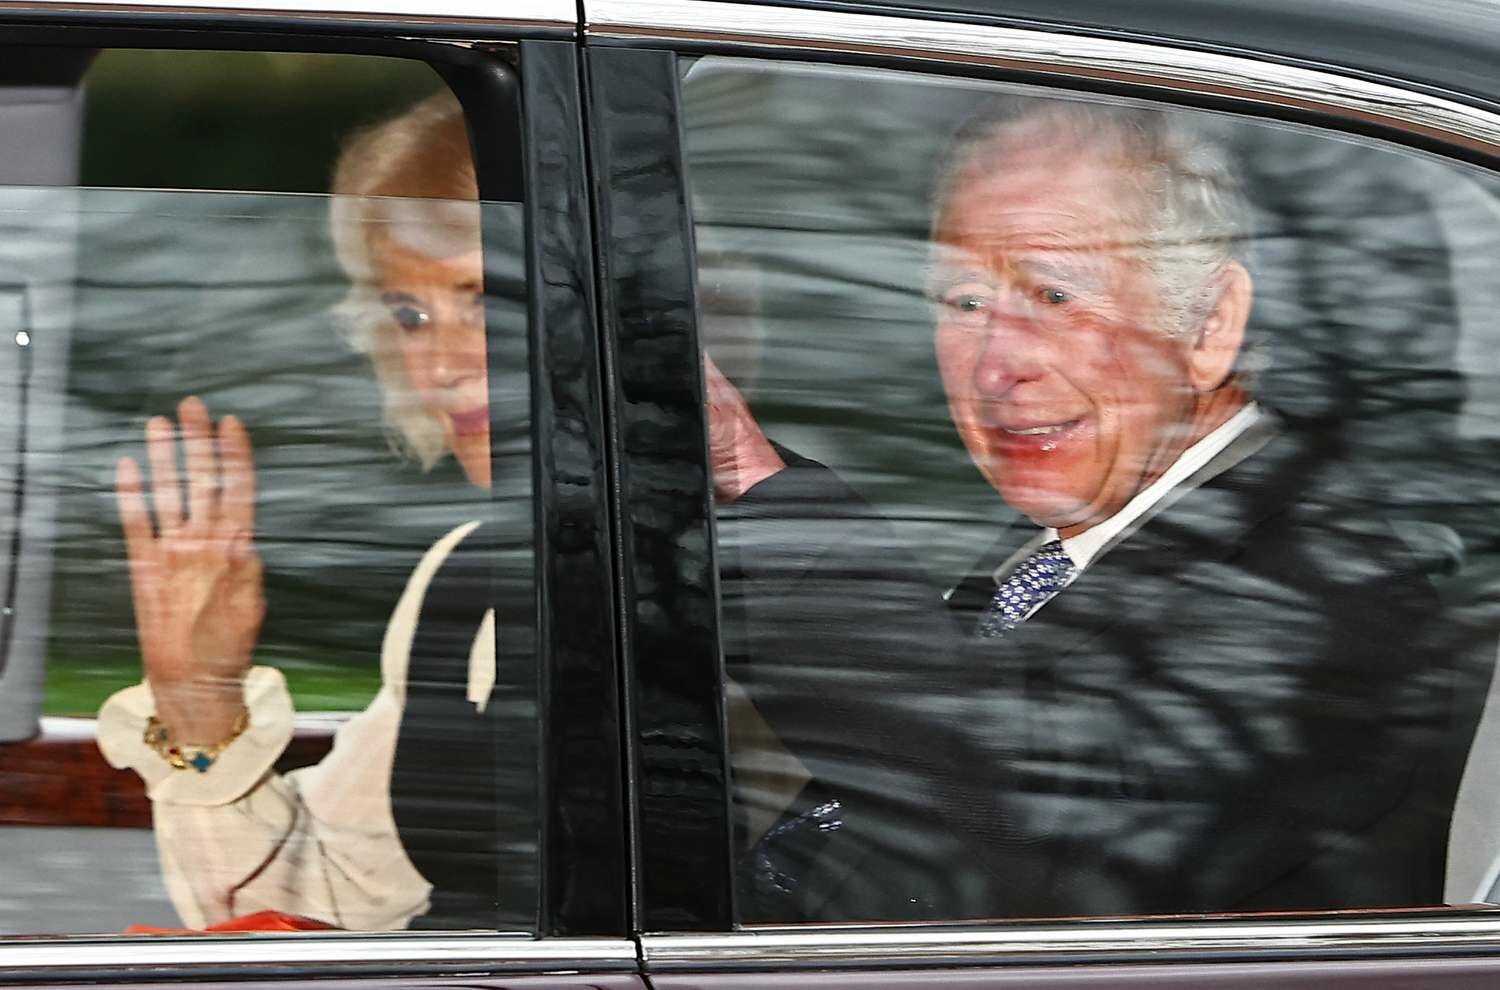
{"type": "Point", "coordinates": [1013, 351]}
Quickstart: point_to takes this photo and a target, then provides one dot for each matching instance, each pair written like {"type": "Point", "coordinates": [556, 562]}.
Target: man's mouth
{"type": "Point", "coordinates": [1038, 431]}
{"type": "Point", "coordinates": [470, 421]}
{"type": "Point", "coordinates": [1039, 438]}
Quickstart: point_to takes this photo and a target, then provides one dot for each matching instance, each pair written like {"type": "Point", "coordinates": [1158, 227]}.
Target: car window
{"type": "Point", "coordinates": [266, 543]}
{"type": "Point", "coordinates": [1105, 506]}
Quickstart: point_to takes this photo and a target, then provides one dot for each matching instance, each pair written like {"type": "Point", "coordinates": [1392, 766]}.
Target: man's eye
{"type": "Point", "coordinates": [967, 303]}
{"type": "Point", "coordinates": [410, 317]}
{"type": "Point", "coordinates": [1053, 296]}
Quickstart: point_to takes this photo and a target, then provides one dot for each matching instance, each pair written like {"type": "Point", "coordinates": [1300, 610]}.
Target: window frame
{"type": "Point", "coordinates": [467, 20]}
{"type": "Point", "coordinates": [679, 808]}
{"type": "Point", "coordinates": [582, 922]}
{"type": "Point", "coordinates": [1259, 86]}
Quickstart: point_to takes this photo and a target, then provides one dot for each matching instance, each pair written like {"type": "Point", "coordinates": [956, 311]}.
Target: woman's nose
{"type": "Point", "coordinates": [458, 341]}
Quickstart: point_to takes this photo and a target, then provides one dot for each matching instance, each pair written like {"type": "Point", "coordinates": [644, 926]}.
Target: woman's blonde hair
{"type": "Point", "coordinates": [422, 155]}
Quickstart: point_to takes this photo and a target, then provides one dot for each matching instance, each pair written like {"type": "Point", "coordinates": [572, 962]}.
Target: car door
{"type": "Point", "coordinates": [779, 190]}
{"type": "Point", "coordinates": [207, 244]}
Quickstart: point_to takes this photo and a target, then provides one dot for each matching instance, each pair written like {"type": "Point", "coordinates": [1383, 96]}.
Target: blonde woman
{"type": "Point", "coordinates": [205, 727]}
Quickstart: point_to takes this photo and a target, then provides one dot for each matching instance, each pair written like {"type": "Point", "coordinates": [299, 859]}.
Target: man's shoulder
{"type": "Point", "coordinates": [803, 488]}
{"type": "Point", "coordinates": [1299, 503]}
{"type": "Point", "coordinates": [806, 525]}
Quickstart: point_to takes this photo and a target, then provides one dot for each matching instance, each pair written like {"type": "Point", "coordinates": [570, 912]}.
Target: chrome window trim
{"type": "Point", "coordinates": [895, 946]}
{"type": "Point", "coordinates": [386, 952]}
{"type": "Point", "coordinates": [782, 29]}
{"type": "Point", "coordinates": [491, 13]}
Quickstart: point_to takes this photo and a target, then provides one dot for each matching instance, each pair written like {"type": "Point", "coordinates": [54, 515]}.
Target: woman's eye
{"type": "Point", "coordinates": [410, 317]}
{"type": "Point", "coordinates": [1054, 296]}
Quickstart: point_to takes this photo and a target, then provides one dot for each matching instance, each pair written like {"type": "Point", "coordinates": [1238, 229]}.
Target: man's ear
{"type": "Point", "coordinates": [1217, 342]}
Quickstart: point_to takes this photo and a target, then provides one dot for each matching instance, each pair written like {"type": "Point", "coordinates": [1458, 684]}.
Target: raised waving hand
{"type": "Point", "coordinates": [195, 576]}
{"type": "Point", "coordinates": [739, 453]}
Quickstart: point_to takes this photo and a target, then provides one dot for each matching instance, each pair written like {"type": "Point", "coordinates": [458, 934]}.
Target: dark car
{"type": "Point", "coordinates": [621, 456]}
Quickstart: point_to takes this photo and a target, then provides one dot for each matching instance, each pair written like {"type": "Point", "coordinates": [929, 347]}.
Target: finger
{"type": "Point", "coordinates": [202, 465]}
{"type": "Point", "coordinates": [726, 406]}
{"type": "Point", "coordinates": [130, 499]}
{"type": "Point", "coordinates": [237, 502]}
{"type": "Point", "coordinates": [243, 557]}
{"type": "Point", "coordinates": [718, 387]}
{"type": "Point", "coordinates": [161, 450]}
{"type": "Point", "coordinates": [712, 376]}
{"type": "Point", "coordinates": [248, 575]}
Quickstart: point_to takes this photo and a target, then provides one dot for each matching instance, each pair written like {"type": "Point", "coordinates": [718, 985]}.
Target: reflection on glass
{"type": "Point", "coordinates": [1119, 551]}
{"type": "Point", "coordinates": [232, 512]}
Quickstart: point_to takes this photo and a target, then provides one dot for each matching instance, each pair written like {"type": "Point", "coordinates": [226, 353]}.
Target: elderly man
{"type": "Point", "coordinates": [1192, 682]}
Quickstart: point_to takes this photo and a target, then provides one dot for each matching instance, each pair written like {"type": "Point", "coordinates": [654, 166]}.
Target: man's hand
{"type": "Point", "coordinates": [741, 455]}
{"type": "Point", "coordinates": [195, 576]}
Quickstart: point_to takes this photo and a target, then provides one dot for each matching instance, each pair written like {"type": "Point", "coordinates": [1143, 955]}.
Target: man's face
{"type": "Point", "coordinates": [1060, 376]}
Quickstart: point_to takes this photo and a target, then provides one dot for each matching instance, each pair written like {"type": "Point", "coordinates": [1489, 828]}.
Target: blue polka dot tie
{"type": "Point", "coordinates": [1038, 578]}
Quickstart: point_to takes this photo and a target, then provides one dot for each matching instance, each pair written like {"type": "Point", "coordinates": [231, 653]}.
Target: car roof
{"type": "Point", "coordinates": [549, 13]}
{"type": "Point", "coordinates": [1450, 47]}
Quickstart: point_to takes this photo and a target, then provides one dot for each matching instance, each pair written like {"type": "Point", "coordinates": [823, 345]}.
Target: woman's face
{"type": "Point", "coordinates": [438, 308]}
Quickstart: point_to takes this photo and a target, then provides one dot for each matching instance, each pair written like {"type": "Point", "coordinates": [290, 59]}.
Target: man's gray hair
{"type": "Point", "coordinates": [1196, 215]}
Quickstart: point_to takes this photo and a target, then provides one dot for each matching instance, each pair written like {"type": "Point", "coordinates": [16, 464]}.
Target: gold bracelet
{"type": "Point", "coordinates": [183, 757]}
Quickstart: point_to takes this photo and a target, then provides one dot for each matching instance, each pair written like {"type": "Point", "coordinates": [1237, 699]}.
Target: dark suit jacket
{"type": "Point", "coordinates": [1252, 701]}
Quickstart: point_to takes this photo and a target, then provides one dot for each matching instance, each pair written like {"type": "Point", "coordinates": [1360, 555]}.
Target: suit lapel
{"type": "Point", "coordinates": [970, 596]}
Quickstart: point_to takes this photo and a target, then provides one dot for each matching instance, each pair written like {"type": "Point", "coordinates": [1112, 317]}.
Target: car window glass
{"type": "Point", "coordinates": [266, 441]}
{"type": "Point", "coordinates": [1105, 506]}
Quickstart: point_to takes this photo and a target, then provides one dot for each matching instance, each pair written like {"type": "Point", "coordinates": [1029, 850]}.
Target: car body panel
{"type": "Point", "coordinates": [1451, 974]}
{"type": "Point", "coordinates": [532, 13]}
{"type": "Point", "coordinates": [1448, 47]}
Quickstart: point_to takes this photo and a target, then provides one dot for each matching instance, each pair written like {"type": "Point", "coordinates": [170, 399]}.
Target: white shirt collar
{"type": "Point", "coordinates": [1084, 547]}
